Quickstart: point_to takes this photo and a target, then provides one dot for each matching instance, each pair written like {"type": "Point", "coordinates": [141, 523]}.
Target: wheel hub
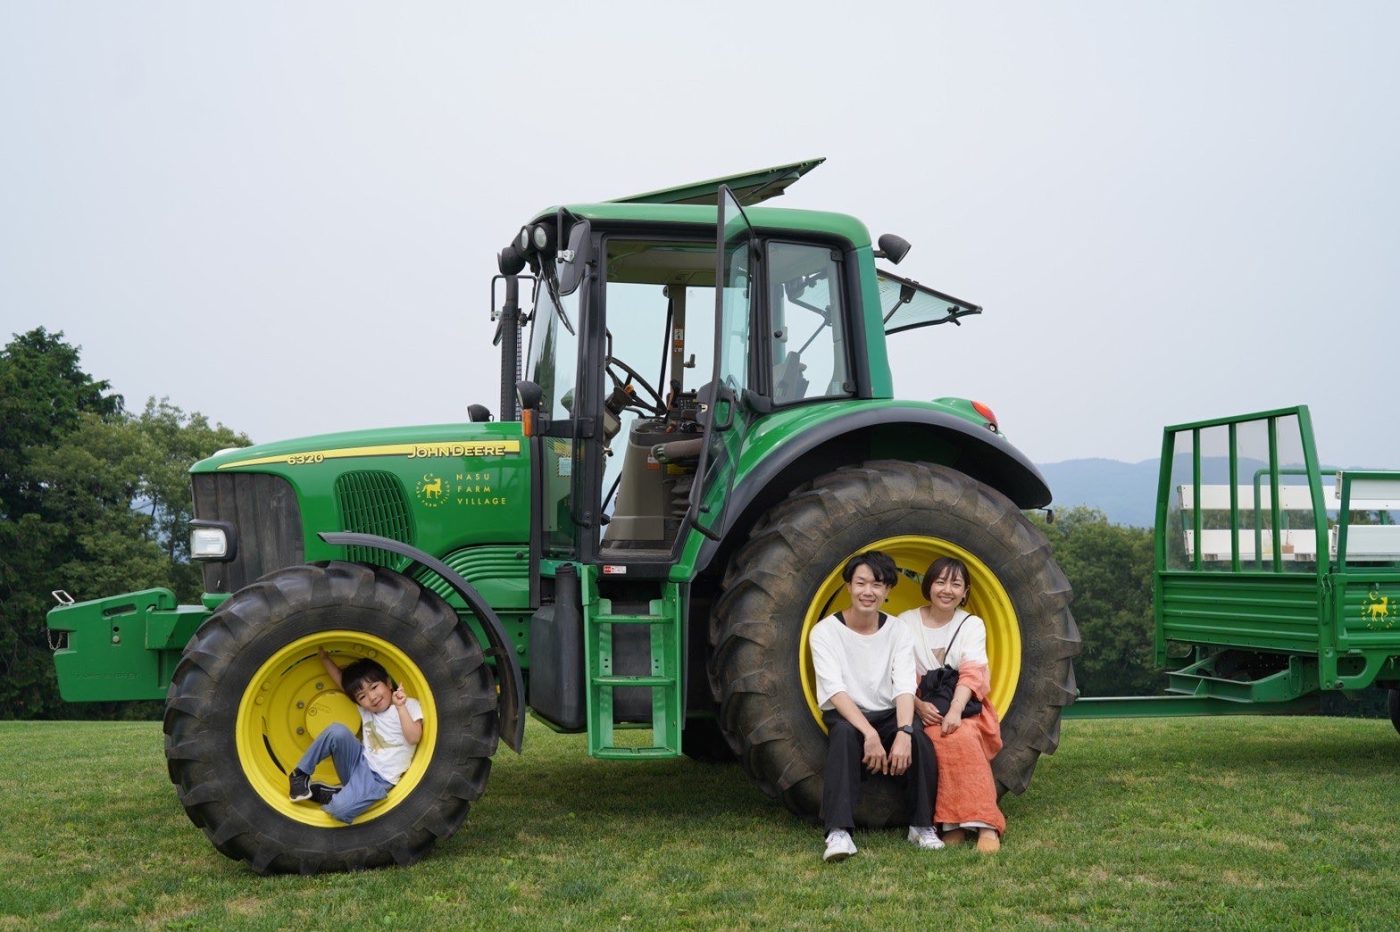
{"type": "Point", "coordinates": [290, 700]}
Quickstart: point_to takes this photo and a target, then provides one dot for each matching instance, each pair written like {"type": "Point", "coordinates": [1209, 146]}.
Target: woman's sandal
{"type": "Point", "coordinates": [988, 842]}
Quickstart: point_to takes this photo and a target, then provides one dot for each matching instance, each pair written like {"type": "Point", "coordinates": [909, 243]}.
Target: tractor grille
{"type": "Point", "coordinates": [266, 517]}
{"type": "Point", "coordinates": [374, 503]}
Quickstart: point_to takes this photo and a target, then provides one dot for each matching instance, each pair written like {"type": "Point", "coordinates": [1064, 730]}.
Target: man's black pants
{"type": "Point", "coordinates": [844, 772]}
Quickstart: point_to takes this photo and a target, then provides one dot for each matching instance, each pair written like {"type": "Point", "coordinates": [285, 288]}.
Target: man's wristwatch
{"type": "Point", "coordinates": [907, 729]}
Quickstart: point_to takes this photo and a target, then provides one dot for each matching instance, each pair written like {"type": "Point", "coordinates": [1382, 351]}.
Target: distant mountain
{"type": "Point", "coordinates": [1126, 492]}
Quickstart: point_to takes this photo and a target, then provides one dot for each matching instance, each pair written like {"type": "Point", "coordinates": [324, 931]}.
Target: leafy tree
{"type": "Point", "coordinates": [44, 397]}
{"type": "Point", "coordinates": [43, 393]}
{"type": "Point", "coordinates": [72, 466]}
{"type": "Point", "coordinates": [1110, 567]}
{"type": "Point", "coordinates": [176, 440]}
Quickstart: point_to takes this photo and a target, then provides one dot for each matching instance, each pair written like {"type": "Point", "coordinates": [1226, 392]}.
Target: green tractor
{"type": "Point", "coordinates": [704, 431]}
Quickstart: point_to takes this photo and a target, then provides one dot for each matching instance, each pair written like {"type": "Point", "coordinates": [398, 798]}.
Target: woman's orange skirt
{"type": "Point", "coordinates": [967, 791]}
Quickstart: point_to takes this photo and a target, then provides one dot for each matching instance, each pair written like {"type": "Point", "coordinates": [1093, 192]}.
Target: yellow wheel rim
{"type": "Point", "coordinates": [989, 601]}
{"type": "Point", "coordinates": [290, 700]}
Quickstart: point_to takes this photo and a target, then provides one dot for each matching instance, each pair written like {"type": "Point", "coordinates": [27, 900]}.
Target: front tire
{"type": "Point", "coordinates": [786, 578]}
{"type": "Point", "coordinates": [249, 695]}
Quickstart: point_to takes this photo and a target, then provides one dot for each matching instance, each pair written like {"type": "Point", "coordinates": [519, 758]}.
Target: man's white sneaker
{"type": "Point", "coordinates": [926, 838]}
{"type": "Point", "coordinates": [839, 846]}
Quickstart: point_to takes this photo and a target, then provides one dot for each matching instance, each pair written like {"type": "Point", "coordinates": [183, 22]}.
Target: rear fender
{"type": "Point", "coordinates": [886, 432]}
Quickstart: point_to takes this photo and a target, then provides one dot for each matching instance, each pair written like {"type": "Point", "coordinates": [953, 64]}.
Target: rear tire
{"type": "Point", "coordinates": [703, 740]}
{"type": "Point", "coordinates": [1395, 708]}
{"type": "Point", "coordinates": [787, 577]}
{"type": "Point", "coordinates": [249, 695]}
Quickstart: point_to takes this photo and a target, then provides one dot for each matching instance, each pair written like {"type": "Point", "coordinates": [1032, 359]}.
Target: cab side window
{"type": "Point", "coordinates": [809, 356]}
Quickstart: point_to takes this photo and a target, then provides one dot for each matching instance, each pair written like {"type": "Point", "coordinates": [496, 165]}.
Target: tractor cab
{"type": "Point", "coordinates": [663, 326]}
{"type": "Point", "coordinates": [653, 346]}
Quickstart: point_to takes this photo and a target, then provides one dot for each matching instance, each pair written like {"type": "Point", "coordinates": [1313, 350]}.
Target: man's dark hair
{"type": "Point", "coordinates": [361, 673]}
{"type": "Point", "coordinates": [881, 567]}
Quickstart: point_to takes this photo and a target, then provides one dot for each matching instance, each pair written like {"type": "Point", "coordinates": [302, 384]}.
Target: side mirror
{"type": "Point", "coordinates": [893, 248]}
{"type": "Point", "coordinates": [569, 265]}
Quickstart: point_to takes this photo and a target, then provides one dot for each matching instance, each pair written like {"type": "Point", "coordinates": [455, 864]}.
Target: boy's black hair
{"type": "Point", "coordinates": [881, 567]}
{"type": "Point", "coordinates": [361, 672]}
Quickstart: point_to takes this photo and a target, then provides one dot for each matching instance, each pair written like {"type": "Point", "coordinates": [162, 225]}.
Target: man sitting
{"type": "Point", "coordinates": [865, 687]}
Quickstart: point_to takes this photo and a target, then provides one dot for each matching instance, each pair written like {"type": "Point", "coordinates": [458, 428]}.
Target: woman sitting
{"type": "Point", "coordinates": [946, 635]}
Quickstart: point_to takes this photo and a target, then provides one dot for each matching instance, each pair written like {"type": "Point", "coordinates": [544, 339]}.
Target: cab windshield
{"type": "Point", "coordinates": [553, 356]}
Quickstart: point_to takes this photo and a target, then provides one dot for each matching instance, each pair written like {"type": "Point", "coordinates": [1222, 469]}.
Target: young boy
{"type": "Point", "coordinates": [392, 724]}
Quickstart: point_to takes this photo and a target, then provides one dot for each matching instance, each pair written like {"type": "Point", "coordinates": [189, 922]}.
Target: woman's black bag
{"type": "Point", "coordinates": [938, 684]}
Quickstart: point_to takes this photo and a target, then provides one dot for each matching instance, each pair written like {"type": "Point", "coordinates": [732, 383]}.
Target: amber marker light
{"type": "Point", "coordinates": [987, 413]}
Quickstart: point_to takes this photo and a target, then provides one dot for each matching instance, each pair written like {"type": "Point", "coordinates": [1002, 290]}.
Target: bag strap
{"type": "Point", "coordinates": [947, 650]}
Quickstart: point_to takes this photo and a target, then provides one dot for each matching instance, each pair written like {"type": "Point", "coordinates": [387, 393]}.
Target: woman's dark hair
{"type": "Point", "coordinates": [945, 565]}
{"type": "Point", "coordinates": [881, 567]}
{"type": "Point", "coordinates": [360, 673]}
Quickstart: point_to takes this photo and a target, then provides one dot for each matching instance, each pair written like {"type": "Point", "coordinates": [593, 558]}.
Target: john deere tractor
{"type": "Point", "coordinates": [704, 431]}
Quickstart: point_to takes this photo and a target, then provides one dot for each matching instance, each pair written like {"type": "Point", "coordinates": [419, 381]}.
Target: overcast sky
{"type": "Point", "coordinates": [286, 215]}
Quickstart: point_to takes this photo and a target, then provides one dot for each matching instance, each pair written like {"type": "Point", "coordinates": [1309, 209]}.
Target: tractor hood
{"type": "Point", "coordinates": [394, 444]}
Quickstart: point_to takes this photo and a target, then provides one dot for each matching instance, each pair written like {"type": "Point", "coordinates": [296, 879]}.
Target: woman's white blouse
{"type": "Point", "coordinates": [971, 644]}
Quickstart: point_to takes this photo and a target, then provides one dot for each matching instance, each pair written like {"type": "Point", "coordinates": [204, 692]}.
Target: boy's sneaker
{"type": "Point", "coordinates": [839, 846]}
{"type": "Point", "coordinates": [321, 793]}
{"type": "Point", "coordinates": [300, 786]}
{"type": "Point", "coordinates": [926, 837]}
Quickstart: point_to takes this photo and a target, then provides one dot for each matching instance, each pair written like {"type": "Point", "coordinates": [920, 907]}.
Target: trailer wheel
{"type": "Point", "coordinates": [250, 694]}
{"type": "Point", "coordinates": [1395, 708]}
{"type": "Point", "coordinates": [787, 577]}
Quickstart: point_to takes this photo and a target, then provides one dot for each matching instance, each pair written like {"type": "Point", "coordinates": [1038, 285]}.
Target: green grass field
{"type": "Point", "coordinates": [1237, 822]}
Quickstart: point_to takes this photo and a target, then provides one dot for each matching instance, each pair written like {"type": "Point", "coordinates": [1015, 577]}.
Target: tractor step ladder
{"type": "Point", "coordinates": [663, 619]}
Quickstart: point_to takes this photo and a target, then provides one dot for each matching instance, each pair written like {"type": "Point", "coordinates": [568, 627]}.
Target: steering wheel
{"type": "Point", "coordinates": [655, 405]}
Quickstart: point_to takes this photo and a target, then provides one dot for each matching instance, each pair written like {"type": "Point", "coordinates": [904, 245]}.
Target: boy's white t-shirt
{"type": "Point", "coordinates": [870, 668]}
{"type": "Point", "coordinates": [386, 751]}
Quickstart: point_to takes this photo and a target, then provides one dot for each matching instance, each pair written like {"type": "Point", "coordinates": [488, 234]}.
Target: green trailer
{"type": "Point", "coordinates": [1277, 579]}
{"type": "Point", "coordinates": [704, 431]}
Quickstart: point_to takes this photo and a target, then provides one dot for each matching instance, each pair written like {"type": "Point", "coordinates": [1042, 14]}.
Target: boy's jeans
{"type": "Point", "coordinates": [360, 787]}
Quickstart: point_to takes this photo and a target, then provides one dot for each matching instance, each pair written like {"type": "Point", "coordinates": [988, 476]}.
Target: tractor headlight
{"type": "Point", "coordinates": [211, 540]}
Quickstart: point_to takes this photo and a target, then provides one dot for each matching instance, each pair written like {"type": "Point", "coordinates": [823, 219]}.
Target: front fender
{"type": "Point", "coordinates": [512, 700]}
